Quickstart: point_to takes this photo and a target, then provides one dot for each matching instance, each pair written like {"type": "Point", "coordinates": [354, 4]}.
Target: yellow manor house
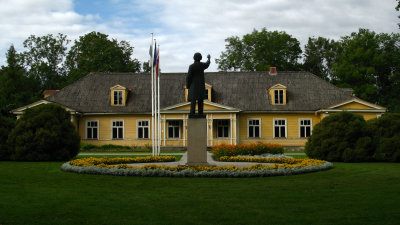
{"type": "Point", "coordinates": [240, 107]}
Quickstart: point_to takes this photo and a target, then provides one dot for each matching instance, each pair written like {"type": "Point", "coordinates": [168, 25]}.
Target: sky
{"type": "Point", "coordinates": [184, 27]}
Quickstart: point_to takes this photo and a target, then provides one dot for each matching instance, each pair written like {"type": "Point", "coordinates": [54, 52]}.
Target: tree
{"type": "Point", "coordinates": [260, 50]}
{"type": "Point", "coordinates": [44, 133]}
{"type": "Point", "coordinates": [94, 52]}
{"type": "Point", "coordinates": [44, 59]}
{"type": "Point", "coordinates": [15, 88]}
{"type": "Point", "coordinates": [6, 124]}
{"type": "Point", "coordinates": [319, 55]}
{"type": "Point", "coordinates": [398, 8]}
{"type": "Point", "coordinates": [370, 64]}
{"type": "Point", "coordinates": [146, 67]}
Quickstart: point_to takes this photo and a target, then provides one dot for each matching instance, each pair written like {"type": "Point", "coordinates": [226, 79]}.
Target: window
{"type": "Point", "coordinates": [280, 128]}
{"type": "Point", "coordinates": [253, 128]}
{"type": "Point", "coordinates": [143, 129]}
{"type": "Point", "coordinates": [118, 97]}
{"type": "Point", "coordinates": [118, 129]}
{"type": "Point", "coordinates": [222, 128]}
{"type": "Point", "coordinates": [305, 128]}
{"type": "Point", "coordinates": [173, 129]}
{"type": "Point", "coordinates": [278, 96]}
{"type": "Point", "coordinates": [92, 129]}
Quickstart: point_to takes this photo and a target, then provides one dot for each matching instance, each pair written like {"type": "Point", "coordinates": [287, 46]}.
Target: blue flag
{"type": "Point", "coordinates": [155, 54]}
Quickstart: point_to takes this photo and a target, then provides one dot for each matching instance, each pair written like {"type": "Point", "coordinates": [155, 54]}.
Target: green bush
{"type": "Point", "coordinates": [336, 138]}
{"type": "Point", "coordinates": [44, 133]}
{"type": "Point", "coordinates": [385, 132]}
{"type": "Point", "coordinates": [6, 125]}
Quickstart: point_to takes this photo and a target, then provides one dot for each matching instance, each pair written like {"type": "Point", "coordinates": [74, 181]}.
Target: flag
{"type": "Point", "coordinates": [158, 60]}
{"type": "Point", "coordinates": [155, 54]}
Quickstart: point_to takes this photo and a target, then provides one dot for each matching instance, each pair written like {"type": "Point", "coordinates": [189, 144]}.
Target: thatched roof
{"type": "Point", "coordinates": [246, 91]}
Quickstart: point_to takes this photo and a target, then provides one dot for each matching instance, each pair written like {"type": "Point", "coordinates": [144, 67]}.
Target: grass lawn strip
{"type": "Point", "coordinates": [350, 193]}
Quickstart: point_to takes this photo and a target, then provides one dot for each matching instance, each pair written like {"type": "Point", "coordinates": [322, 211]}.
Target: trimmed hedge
{"type": "Point", "coordinates": [348, 137]}
{"type": "Point", "coordinates": [44, 133]}
{"type": "Point", "coordinates": [335, 137]}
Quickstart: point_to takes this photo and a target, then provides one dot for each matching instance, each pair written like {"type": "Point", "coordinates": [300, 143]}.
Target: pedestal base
{"type": "Point", "coordinates": [197, 142]}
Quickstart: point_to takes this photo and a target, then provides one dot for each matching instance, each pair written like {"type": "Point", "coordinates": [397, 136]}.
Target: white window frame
{"type": "Point", "coordinates": [174, 126]}
{"type": "Point", "coordinates": [120, 96]}
{"type": "Point", "coordinates": [259, 127]}
{"type": "Point", "coordinates": [86, 129]}
{"type": "Point", "coordinates": [277, 96]}
{"type": "Point", "coordinates": [112, 129]}
{"type": "Point", "coordinates": [141, 126]}
{"type": "Point", "coordinates": [311, 126]}
{"type": "Point", "coordinates": [218, 125]}
{"type": "Point", "coordinates": [273, 127]}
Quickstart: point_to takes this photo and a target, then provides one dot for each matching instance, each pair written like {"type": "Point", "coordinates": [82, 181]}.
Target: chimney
{"type": "Point", "coordinates": [272, 71]}
{"type": "Point", "coordinates": [47, 93]}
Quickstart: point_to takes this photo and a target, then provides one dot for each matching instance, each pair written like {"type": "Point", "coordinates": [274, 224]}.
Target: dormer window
{"type": "Point", "coordinates": [278, 97]}
{"type": "Point", "coordinates": [277, 94]}
{"type": "Point", "coordinates": [119, 95]}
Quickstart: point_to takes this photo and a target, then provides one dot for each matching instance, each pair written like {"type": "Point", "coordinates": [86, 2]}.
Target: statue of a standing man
{"type": "Point", "coordinates": [195, 84]}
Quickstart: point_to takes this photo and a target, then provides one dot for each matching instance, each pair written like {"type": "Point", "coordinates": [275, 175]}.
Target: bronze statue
{"type": "Point", "coordinates": [195, 84]}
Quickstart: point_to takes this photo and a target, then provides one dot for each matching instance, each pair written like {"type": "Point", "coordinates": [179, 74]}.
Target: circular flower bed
{"type": "Point", "coordinates": [119, 167]}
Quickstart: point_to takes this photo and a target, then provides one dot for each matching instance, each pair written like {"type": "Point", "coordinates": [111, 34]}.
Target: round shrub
{"type": "Point", "coordinates": [385, 133]}
{"type": "Point", "coordinates": [44, 133]}
{"type": "Point", "coordinates": [6, 125]}
{"type": "Point", "coordinates": [336, 137]}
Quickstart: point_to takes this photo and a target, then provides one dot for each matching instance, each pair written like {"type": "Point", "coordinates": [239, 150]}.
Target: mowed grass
{"type": "Point", "coordinates": [39, 193]}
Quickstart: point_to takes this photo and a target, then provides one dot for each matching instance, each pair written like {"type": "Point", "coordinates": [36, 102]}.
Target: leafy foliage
{"type": "Point", "coordinates": [370, 64]}
{"type": "Point", "coordinates": [260, 50]}
{"type": "Point", "coordinates": [385, 133]}
{"type": "Point", "coordinates": [94, 52]}
{"type": "Point", "coordinates": [6, 124]}
{"type": "Point", "coordinates": [319, 55]}
{"type": "Point", "coordinates": [44, 59]}
{"type": "Point", "coordinates": [15, 88]}
{"type": "Point", "coordinates": [347, 137]}
{"type": "Point", "coordinates": [335, 136]}
{"type": "Point", "coordinates": [44, 133]}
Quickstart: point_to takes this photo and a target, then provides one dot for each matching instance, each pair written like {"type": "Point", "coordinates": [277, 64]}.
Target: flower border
{"type": "Point", "coordinates": [286, 167]}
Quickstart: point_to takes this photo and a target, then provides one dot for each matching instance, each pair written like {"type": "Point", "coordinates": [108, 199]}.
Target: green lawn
{"type": "Point", "coordinates": [39, 193]}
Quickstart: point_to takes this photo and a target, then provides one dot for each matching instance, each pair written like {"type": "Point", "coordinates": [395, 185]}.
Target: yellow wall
{"type": "Point", "coordinates": [238, 128]}
{"type": "Point", "coordinates": [368, 116]}
{"type": "Point", "coordinates": [105, 125]}
{"type": "Point", "coordinates": [354, 105]}
{"type": "Point", "coordinates": [267, 128]}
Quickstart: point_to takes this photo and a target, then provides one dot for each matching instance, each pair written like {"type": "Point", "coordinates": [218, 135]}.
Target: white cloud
{"type": "Point", "coordinates": [183, 27]}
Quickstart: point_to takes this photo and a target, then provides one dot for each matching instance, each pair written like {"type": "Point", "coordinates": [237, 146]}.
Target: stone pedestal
{"type": "Point", "coordinates": [197, 142]}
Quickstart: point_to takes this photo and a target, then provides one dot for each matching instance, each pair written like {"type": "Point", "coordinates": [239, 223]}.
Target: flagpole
{"type": "Point", "coordinates": [158, 107]}
{"type": "Point", "coordinates": [152, 97]}
{"type": "Point", "coordinates": [155, 100]}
